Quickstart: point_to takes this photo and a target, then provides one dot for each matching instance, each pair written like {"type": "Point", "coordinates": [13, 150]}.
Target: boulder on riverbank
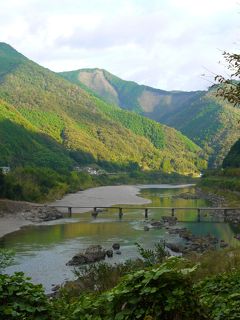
{"type": "Point", "coordinates": [29, 211]}
{"type": "Point", "coordinates": [43, 213]}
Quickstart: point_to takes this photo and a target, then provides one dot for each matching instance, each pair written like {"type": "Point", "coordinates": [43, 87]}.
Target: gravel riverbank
{"type": "Point", "coordinates": [16, 214]}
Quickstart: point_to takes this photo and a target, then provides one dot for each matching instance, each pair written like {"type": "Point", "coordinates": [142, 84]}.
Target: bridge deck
{"type": "Point", "coordinates": [99, 209]}
{"type": "Point", "coordinates": [146, 207]}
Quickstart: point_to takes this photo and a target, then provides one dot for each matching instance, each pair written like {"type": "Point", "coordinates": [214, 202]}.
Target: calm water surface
{"type": "Point", "coordinates": [43, 251]}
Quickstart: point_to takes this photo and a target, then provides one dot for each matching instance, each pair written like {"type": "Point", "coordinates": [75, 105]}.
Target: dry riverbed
{"type": "Point", "coordinates": [16, 214]}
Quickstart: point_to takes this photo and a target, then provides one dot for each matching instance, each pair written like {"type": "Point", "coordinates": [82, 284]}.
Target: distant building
{"type": "Point", "coordinates": [5, 170]}
{"type": "Point", "coordinates": [90, 170]}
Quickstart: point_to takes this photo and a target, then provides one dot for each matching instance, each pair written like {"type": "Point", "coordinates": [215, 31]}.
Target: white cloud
{"type": "Point", "coordinates": [166, 44]}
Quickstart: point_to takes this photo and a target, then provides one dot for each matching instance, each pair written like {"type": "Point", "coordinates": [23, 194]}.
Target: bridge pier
{"type": "Point", "coordinates": [120, 213]}
{"type": "Point", "coordinates": [225, 215]}
{"type": "Point", "coordinates": [173, 212]}
{"type": "Point", "coordinates": [94, 213]}
{"type": "Point", "coordinates": [69, 211]}
{"type": "Point", "coordinates": [199, 215]}
{"type": "Point", "coordinates": [146, 213]}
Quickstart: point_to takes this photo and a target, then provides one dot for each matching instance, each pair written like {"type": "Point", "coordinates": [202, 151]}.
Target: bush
{"type": "Point", "coordinates": [100, 276]}
{"type": "Point", "coordinates": [22, 300]}
{"type": "Point", "coordinates": [152, 256]}
{"type": "Point", "coordinates": [221, 295]}
{"type": "Point", "coordinates": [103, 276]}
{"type": "Point", "coordinates": [161, 292]}
{"type": "Point", "coordinates": [6, 258]}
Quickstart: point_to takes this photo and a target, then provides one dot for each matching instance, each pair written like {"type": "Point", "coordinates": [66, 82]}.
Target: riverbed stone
{"type": "Point", "coordinates": [157, 224]}
{"type": "Point", "coordinates": [109, 253]}
{"type": "Point", "coordinates": [116, 246]}
{"type": "Point", "coordinates": [186, 195]}
{"type": "Point", "coordinates": [175, 247]}
{"type": "Point", "coordinates": [170, 220]}
{"type": "Point", "coordinates": [194, 243]}
{"type": "Point", "coordinates": [42, 213]}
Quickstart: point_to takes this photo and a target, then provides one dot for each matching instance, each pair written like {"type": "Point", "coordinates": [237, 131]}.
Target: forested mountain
{"type": "Point", "coordinates": [47, 121]}
{"type": "Point", "coordinates": [208, 121]}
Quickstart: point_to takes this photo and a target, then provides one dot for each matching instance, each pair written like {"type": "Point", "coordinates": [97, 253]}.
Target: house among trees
{"type": "Point", "coordinates": [5, 170]}
{"type": "Point", "coordinates": [91, 170]}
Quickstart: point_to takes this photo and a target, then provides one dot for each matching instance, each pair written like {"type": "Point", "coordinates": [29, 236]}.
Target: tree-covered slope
{"type": "Point", "coordinates": [79, 125]}
{"type": "Point", "coordinates": [232, 159]}
{"type": "Point", "coordinates": [208, 121]}
{"type": "Point", "coordinates": [22, 143]}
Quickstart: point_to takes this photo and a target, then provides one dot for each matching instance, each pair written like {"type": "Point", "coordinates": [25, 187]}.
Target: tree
{"type": "Point", "coordinates": [2, 184]}
{"type": "Point", "coordinates": [229, 89]}
{"type": "Point", "coordinates": [6, 258]}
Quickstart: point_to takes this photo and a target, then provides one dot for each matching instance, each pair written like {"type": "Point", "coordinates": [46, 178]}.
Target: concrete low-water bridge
{"type": "Point", "coordinates": [224, 211]}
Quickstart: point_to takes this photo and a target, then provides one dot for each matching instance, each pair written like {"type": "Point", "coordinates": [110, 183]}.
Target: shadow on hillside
{"type": "Point", "coordinates": [20, 146]}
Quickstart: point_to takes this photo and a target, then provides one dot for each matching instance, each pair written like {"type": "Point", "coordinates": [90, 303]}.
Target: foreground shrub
{"type": "Point", "coordinates": [221, 295]}
{"type": "Point", "coordinates": [20, 299]}
{"type": "Point", "coordinates": [160, 292]}
{"type": "Point", "coordinates": [6, 258]}
{"type": "Point", "coordinates": [215, 262]}
{"type": "Point", "coordinates": [100, 276]}
{"type": "Point", "coordinates": [150, 257]}
{"type": "Point", "coordinates": [103, 276]}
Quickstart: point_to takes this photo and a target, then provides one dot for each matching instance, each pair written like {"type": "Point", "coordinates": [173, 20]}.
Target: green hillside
{"type": "Point", "coordinates": [209, 122]}
{"type": "Point", "coordinates": [22, 143]}
{"type": "Point", "coordinates": [58, 124]}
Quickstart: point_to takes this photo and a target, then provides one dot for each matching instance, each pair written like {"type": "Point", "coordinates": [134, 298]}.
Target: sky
{"type": "Point", "coordinates": [167, 44]}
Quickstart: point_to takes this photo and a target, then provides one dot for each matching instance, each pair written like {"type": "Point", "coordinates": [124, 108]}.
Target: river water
{"type": "Point", "coordinates": [42, 251]}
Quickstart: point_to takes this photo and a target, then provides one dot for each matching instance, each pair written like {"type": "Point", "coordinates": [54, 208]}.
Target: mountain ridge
{"type": "Point", "coordinates": [199, 115]}
{"type": "Point", "coordinates": [85, 128]}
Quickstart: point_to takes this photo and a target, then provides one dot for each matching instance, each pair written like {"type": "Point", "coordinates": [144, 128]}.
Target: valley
{"type": "Point", "coordinates": [90, 139]}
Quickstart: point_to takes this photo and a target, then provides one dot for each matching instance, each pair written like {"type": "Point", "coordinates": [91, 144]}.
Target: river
{"type": "Point", "coordinates": [42, 251]}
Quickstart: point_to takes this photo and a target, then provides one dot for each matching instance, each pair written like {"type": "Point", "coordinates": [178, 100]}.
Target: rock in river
{"type": "Point", "coordinates": [156, 224]}
{"type": "Point", "coordinates": [92, 254]}
{"type": "Point", "coordinates": [109, 253]}
{"type": "Point", "coordinates": [116, 246]}
{"type": "Point", "coordinates": [171, 221]}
